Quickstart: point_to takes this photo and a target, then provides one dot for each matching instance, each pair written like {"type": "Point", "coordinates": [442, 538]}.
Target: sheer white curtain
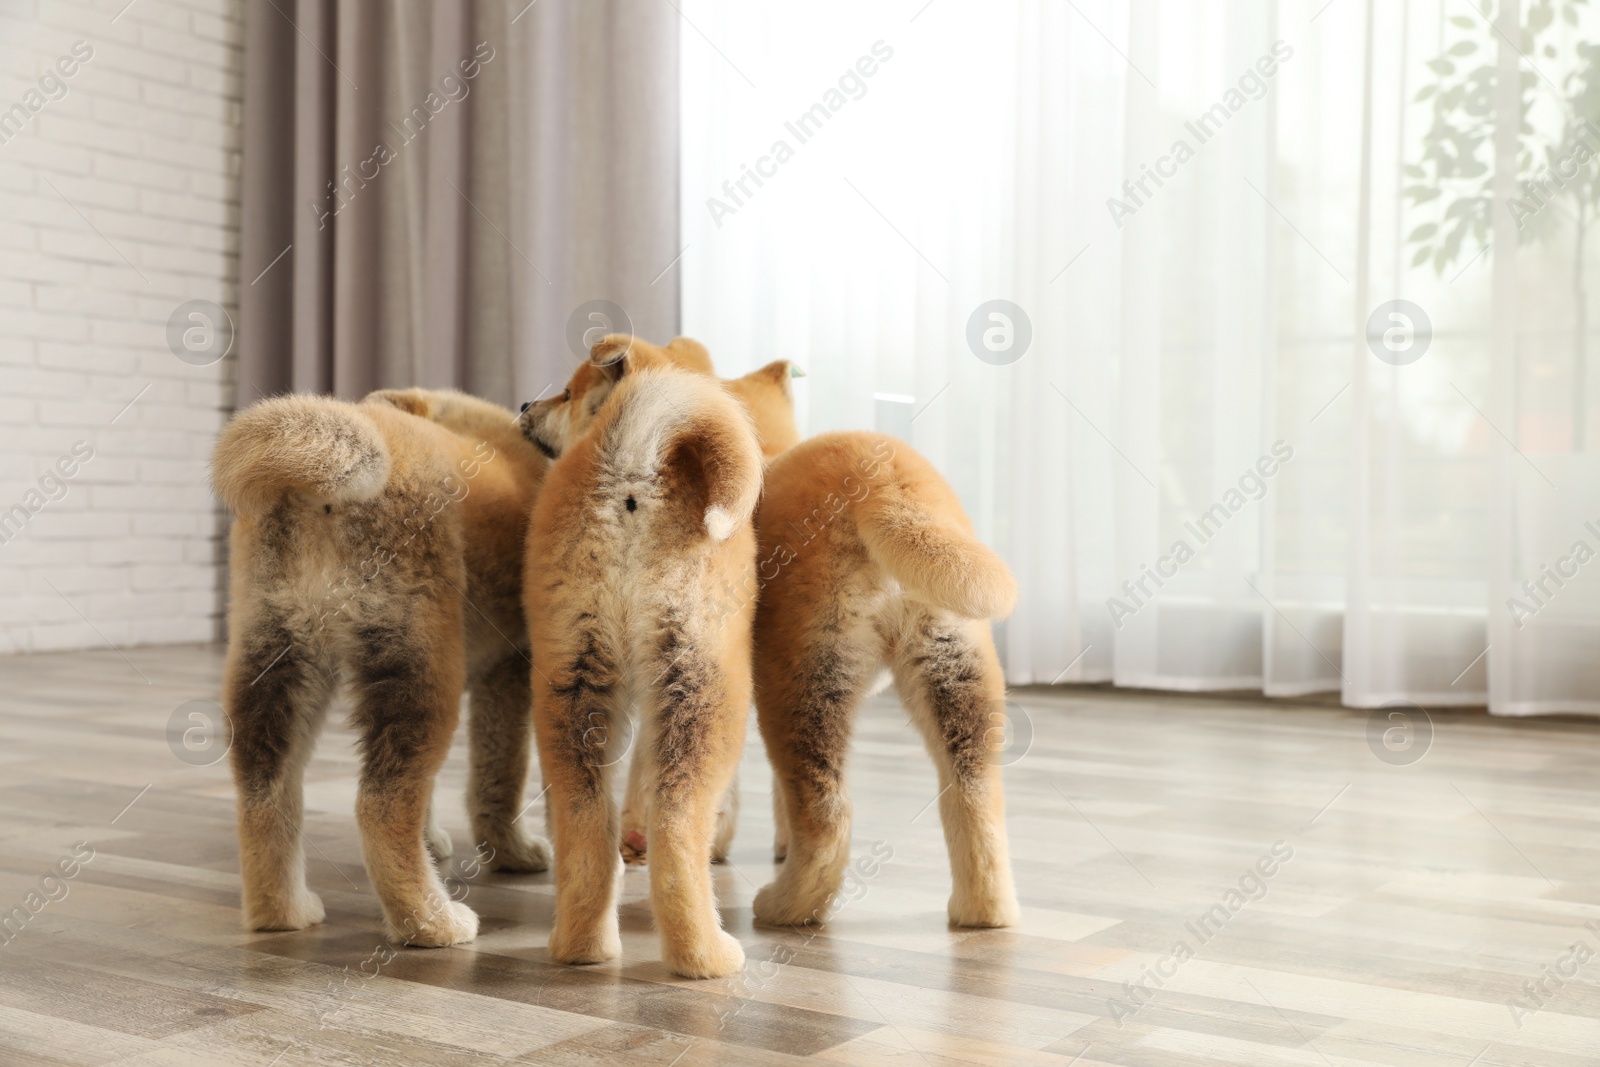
{"type": "Point", "coordinates": [1206, 469]}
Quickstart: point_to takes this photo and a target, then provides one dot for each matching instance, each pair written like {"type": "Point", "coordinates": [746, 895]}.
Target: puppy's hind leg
{"type": "Point", "coordinates": [500, 734]}
{"type": "Point", "coordinates": [408, 697]}
{"type": "Point", "coordinates": [576, 709]}
{"type": "Point", "coordinates": [806, 722]}
{"type": "Point", "coordinates": [698, 727]}
{"type": "Point", "coordinates": [949, 678]}
{"type": "Point", "coordinates": [277, 694]}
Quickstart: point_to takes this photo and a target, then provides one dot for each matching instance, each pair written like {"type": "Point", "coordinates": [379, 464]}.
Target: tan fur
{"type": "Point", "coordinates": [690, 354]}
{"type": "Point", "coordinates": [500, 735]}
{"type": "Point", "coordinates": [867, 560]}
{"type": "Point", "coordinates": [768, 395]}
{"type": "Point", "coordinates": [685, 353]}
{"type": "Point", "coordinates": [644, 517]}
{"type": "Point", "coordinates": [330, 454]}
{"type": "Point", "coordinates": [337, 580]}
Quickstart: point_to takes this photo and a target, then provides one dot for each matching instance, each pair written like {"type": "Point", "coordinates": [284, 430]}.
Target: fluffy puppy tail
{"type": "Point", "coordinates": [327, 449]}
{"type": "Point", "coordinates": [934, 561]}
{"type": "Point", "coordinates": [722, 447]}
{"type": "Point", "coordinates": [700, 436]}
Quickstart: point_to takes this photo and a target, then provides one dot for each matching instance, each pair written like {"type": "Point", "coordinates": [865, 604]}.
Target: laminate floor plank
{"type": "Point", "coordinates": [1419, 907]}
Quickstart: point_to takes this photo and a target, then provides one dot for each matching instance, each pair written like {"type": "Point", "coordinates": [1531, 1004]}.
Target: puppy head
{"type": "Point", "coordinates": [553, 425]}
{"type": "Point", "coordinates": [769, 397]}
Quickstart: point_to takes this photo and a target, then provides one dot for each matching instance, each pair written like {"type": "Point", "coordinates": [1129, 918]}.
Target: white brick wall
{"type": "Point", "coordinates": [143, 154]}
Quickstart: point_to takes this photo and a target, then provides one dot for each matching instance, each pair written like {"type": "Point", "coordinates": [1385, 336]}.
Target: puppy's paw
{"type": "Point", "coordinates": [453, 924]}
{"type": "Point", "coordinates": [983, 910]}
{"type": "Point", "coordinates": [633, 848]}
{"type": "Point", "coordinates": [569, 945]}
{"type": "Point", "coordinates": [520, 852]}
{"type": "Point", "coordinates": [437, 838]}
{"type": "Point", "coordinates": [297, 912]}
{"type": "Point", "coordinates": [719, 957]}
{"type": "Point", "coordinates": [778, 905]}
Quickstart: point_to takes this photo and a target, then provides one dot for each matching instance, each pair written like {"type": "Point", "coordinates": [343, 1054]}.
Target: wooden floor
{"type": "Point", "coordinates": [1417, 904]}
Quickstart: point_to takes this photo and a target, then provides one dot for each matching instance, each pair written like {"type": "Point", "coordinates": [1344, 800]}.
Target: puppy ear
{"type": "Point", "coordinates": [779, 372]}
{"type": "Point", "coordinates": [612, 354]}
{"type": "Point", "coordinates": [690, 355]}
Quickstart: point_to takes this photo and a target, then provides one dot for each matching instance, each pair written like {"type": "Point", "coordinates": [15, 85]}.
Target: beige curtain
{"type": "Point", "coordinates": [432, 190]}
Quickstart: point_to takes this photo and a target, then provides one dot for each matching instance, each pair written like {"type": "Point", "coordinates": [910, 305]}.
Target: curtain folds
{"type": "Point", "coordinates": [432, 190]}
{"type": "Point", "coordinates": [1303, 405]}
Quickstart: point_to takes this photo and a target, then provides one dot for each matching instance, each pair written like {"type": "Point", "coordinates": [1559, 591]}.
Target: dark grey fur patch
{"type": "Point", "coordinates": [397, 701]}
{"type": "Point", "coordinates": [951, 673]}
{"type": "Point", "coordinates": [275, 699]}
{"type": "Point", "coordinates": [585, 693]}
{"type": "Point", "coordinates": [687, 696]}
{"type": "Point", "coordinates": [824, 718]}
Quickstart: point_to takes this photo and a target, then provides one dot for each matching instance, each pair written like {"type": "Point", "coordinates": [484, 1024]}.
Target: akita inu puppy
{"type": "Point", "coordinates": [769, 397]}
{"type": "Point", "coordinates": [646, 508]}
{"type": "Point", "coordinates": [868, 561]}
{"type": "Point", "coordinates": [500, 735]}
{"type": "Point", "coordinates": [371, 547]}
